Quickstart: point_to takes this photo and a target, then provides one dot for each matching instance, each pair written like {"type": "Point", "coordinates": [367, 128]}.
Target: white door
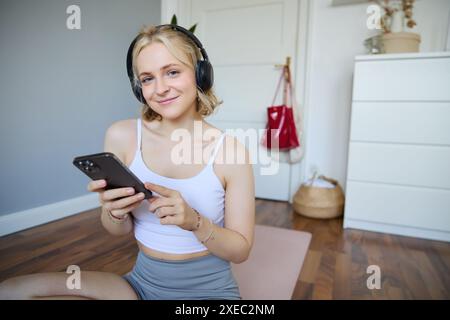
{"type": "Point", "coordinates": [244, 40]}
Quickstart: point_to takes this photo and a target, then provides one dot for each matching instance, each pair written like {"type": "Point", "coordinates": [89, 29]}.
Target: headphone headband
{"type": "Point", "coordinates": [190, 35]}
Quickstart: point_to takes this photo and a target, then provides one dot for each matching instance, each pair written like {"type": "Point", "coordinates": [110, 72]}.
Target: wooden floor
{"type": "Point", "coordinates": [335, 266]}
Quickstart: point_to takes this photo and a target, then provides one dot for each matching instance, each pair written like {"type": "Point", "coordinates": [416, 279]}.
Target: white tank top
{"type": "Point", "coordinates": [203, 192]}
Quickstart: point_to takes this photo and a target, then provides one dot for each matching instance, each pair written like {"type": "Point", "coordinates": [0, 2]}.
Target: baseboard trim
{"type": "Point", "coordinates": [414, 232]}
{"type": "Point", "coordinates": [22, 220]}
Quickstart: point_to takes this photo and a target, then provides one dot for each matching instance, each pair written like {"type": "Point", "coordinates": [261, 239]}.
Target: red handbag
{"type": "Point", "coordinates": [280, 131]}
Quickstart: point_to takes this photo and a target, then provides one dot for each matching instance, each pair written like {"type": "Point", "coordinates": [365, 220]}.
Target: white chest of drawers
{"type": "Point", "coordinates": [398, 174]}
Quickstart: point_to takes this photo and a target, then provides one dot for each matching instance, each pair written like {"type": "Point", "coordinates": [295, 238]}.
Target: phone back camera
{"type": "Point", "coordinates": [88, 166]}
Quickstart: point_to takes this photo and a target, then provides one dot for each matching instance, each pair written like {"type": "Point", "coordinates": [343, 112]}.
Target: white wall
{"type": "Point", "coordinates": [336, 36]}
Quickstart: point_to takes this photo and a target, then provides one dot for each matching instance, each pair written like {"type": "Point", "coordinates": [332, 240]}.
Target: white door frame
{"type": "Point", "coordinates": [301, 71]}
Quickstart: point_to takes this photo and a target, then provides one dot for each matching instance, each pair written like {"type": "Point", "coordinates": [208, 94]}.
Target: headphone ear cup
{"type": "Point", "coordinates": [138, 94]}
{"type": "Point", "coordinates": [204, 75]}
{"type": "Point", "coordinates": [136, 89]}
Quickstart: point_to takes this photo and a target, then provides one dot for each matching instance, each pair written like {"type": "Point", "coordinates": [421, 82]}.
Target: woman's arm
{"type": "Point", "coordinates": [116, 140]}
{"type": "Point", "coordinates": [234, 241]}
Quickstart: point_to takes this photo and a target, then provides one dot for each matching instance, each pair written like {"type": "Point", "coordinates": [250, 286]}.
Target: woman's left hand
{"type": "Point", "coordinates": [171, 208]}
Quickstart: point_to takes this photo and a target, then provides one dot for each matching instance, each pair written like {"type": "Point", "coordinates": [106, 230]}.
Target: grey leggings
{"type": "Point", "coordinates": [199, 278]}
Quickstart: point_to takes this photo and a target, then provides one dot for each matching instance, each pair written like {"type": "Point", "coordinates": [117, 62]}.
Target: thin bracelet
{"type": "Point", "coordinates": [198, 220]}
{"type": "Point", "coordinates": [115, 219]}
{"type": "Point", "coordinates": [210, 236]}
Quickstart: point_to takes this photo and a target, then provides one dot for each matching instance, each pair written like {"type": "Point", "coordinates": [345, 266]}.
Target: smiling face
{"type": "Point", "coordinates": [168, 85]}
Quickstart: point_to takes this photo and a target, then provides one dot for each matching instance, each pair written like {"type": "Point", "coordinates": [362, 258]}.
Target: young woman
{"type": "Point", "coordinates": [202, 215]}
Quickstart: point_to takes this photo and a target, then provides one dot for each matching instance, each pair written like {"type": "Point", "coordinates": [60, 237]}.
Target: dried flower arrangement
{"type": "Point", "coordinates": [392, 6]}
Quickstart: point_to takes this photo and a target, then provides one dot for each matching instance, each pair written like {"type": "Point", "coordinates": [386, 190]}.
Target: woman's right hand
{"type": "Point", "coordinates": [118, 201]}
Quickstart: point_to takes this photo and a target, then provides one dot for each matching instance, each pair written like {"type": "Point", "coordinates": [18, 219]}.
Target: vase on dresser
{"type": "Point", "coordinates": [398, 40]}
{"type": "Point", "coordinates": [401, 42]}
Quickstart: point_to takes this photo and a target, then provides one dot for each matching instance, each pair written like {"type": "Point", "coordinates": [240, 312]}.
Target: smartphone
{"type": "Point", "coordinates": [107, 166]}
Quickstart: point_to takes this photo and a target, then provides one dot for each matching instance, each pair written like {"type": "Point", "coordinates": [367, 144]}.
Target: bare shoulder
{"type": "Point", "coordinates": [120, 138]}
{"type": "Point", "coordinates": [233, 160]}
{"type": "Point", "coordinates": [234, 152]}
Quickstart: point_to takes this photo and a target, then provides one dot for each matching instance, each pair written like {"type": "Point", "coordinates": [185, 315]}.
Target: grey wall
{"type": "Point", "coordinates": [59, 91]}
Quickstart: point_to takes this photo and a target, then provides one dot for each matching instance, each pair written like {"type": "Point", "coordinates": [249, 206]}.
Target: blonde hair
{"type": "Point", "coordinates": [183, 49]}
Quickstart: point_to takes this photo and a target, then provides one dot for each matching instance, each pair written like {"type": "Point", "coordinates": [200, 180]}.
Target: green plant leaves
{"type": "Point", "coordinates": [192, 29]}
{"type": "Point", "coordinates": [175, 22]}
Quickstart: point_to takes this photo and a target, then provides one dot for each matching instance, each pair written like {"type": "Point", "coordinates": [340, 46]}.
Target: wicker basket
{"type": "Point", "coordinates": [319, 203]}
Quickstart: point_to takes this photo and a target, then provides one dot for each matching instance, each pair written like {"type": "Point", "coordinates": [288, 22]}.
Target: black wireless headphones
{"type": "Point", "coordinates": [204, 74]}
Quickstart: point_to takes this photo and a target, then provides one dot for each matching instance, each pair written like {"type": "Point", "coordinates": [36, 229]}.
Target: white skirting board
{"type": "Point", "coordinates": [397, 229]}
{"type": "Point", "coordinates": [21, 220]}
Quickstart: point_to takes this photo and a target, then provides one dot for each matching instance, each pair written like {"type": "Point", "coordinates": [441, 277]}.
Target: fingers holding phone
{"type": "Point", "coordinates": [119, 201]}
{"type": "Point", "coordinates": [96, 185]}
